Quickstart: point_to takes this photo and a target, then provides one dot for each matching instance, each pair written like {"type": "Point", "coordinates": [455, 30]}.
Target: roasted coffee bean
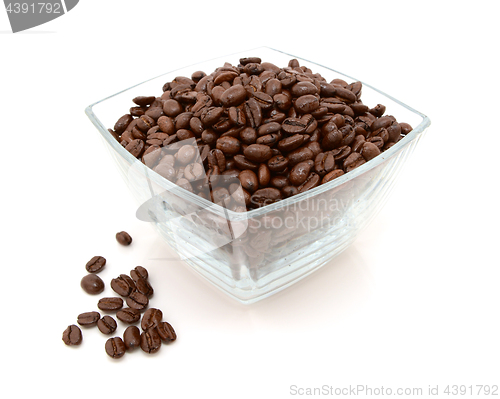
{"type": "Point", "coordinates": [166, 331]}
{"type": "Point", "coordinates": [248, 60]}
{"type": "Point", "coordinates": [268, 139]}
{"type": "Point", "coordinates": [166, 170]}
{"type": "Point", "coordinates": [123, 285]}
{"type": "Point", "coordinates": [142, 101]}
{"type": "Point", "coordinates": [341, 153]}
{"type": "Point", "coordinates": [92, 284]}
{"type": "Point", "coordinates": [353, 161]}
{"type": "Point", "coordinates": [279, 182]}
{"type": "Point", "coordinates": [290, 143]}
{"type": "Point", "coordinates": [186, 154]}
{"type": "Point", "coordinates": [332, 140]}
{"type": "Point", "coordinates": [196, 76]}
{"type": "Point", "coordinates": [144, 123]}
{"type": "Point", "coordinates": [137, 300]}
{"type": "Point", "coordinates": [378, 110]}
{"type": "Point", "coordinates": [306, 104]}
{"type": "Point", "coordinates": [277, 163]}
{"type": "Point", "coordinates": [106, 325]}
{"type": "Point", "coordinates": [258, 152]}
{"type": "Point", "coordinates": [241, 162]}
{"type": "Point", "coordinates": [265, 196]}
{"type": "Point", "coordinates": [234, 96]}
{"type": "Point", "coordinates": [263, 175]}
{"type": "Point", "coordinates": [132, 337]}
{"type": "Point", "coordinates": [299, 155]}
{"type": "Point", "coordinates": [96, 264]}
{"type": "Point", "coordinates": [358, 142]}
{"type": "Point", "coordinates": [150, 341]}
{"type": "Point", "coordinates": [143, 286]}
{"type": "Point", "coordinates": [253, 113]}
{"type": "Point", "coordinates": [115, 347]}
{"type": "Point", "coordinates": [88, 319]}
{"type": "Point", "coordinates": [264, 100]}
{"type": "Point", "coordinates": [122, 123]}
{"type": "Point", "coordinates": [217, 158]}
{"type": "Point", "coordinates": [405, 128]}
{"type": "Point", "coordinates": [194, 171]}
{"type": "Point", "coordinates": [394, 131]}
{"type": "Point", "coordinates": [378, 141]}
{"type": "Point", "coordinates": [294, 126]}
{"type": "Point", "coordinates": [185, 184]}
{"type": "Point", "coordinates": [332, 175]}
{"type": "Point", "coordinates": [128, 315]}
{"type": "Point", "coordinates": [135, 147]}
{"type": "Point", "coordinates": [249, 180]}
{"type": "Point", "coordinates": [152, 317]}
{"type": "Point", "coordinates": [237, 116]}
{"type": "Point", "coordinates": [72, 335]}
{"type": "Point", "coordinates": [248, 135]}
{"type": "Point", "coordinates": [123, 238]}
{"type": "Point", "coordinates": [172, 108]}
{"type": "Point", "coordinates": [299, 173]}
{"type": "Point", "coordinates": [302, 88]}
{"type": "Point", "coordinates": [282, 101]}
{"type": "Point", "coordinates": [268, 128]}
{"type": "Point", "coordinates": [220, 195]}
{"type": "Point", "coordinates": [211, 115]}
{"type": "Point", "coordinates": [312, 181]}
{"type": "Point", "coordinates": [324, 163]}
{"type": "Point", "coordinates": [110, 304]}
{"type": "Point", "coordinates": [369, 151]}
{"type": "Point", "coordinates": [273, 87]}
{"type": "Point", "coordinates": [166, 125]}
{"type": "Point", "coordinates": [228, 145]}
{"type": "Point", "coordinates": [152, 155]}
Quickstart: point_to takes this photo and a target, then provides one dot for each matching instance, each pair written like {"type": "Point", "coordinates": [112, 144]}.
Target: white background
{"type": "Point", "coordinates": [413, 302]}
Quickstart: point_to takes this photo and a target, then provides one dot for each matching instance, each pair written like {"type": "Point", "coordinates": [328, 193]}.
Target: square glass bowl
{"type": "Point", "coordinates": [254, 254]}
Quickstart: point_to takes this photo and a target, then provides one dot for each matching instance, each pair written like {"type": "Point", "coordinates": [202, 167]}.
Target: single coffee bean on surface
{"type": "Point", "coordinates": [72, 335]}
{"type": "Point", "coordinates": [150, 341]}
{"type": "Point", "coordinates": [132, 337]}
{"type": "Point", "coordinates": [96, 264]}
{"type": "Point", "coordinates": [143, 286]}
{"type": "Point", "coordinates": [123, 238]}
{"type": "Point", "coordinates": [92, 284]}
{"type": "Point", "coordinates": [123, 285]}
{"type": "Point", "coordinates": [115, 347]}
{"type": "Point", "coordinates": [110, 304]}
{"type": "Point", "coordinates": [137, 300]}
{"type": "Point", "coordinates": [106, 325]}
{"type": "Point", "coordinates": [128, 315]}
{"type": "Point", "coordinates": [151, 318]}
{"type": "Point", "coordinates": [166, 331]}
{"type": "Point", "coordinates": [88, 319]}
{"type": "Point", "coordinates": [139, 272]}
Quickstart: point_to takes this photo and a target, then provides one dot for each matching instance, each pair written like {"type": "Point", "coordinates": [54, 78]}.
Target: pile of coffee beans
{"type": "Point", "coordinates": [136, 290]}
{"type": "Point", "coordinates": [280, 131]}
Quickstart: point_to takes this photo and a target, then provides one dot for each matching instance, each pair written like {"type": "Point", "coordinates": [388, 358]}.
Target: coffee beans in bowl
{"type": "Point", "coordinates": [281, 131]}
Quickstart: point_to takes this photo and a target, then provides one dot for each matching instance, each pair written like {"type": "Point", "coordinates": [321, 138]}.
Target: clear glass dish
{"type": "Point", "coordinates": [254, 254]}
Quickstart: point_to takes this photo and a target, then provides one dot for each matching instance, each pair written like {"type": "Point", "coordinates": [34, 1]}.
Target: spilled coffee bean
{"type": "Point", "coordinates": [137, 290]}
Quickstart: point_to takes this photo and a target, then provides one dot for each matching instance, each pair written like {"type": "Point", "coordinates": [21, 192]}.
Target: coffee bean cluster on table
{"type": "Point", "coordinates": [136, 290]}
{"type": "Point", "coordinates": [280, 131]}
